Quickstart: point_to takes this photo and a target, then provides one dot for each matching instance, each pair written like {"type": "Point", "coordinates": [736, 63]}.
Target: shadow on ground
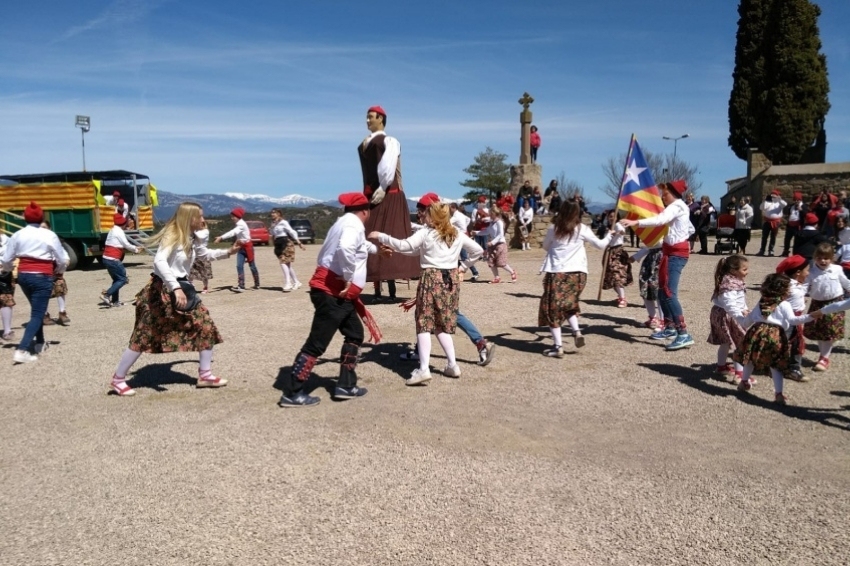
{"type": "Point", "coordinates": [158, 376]}
{"type": "Point", "coordinates": [698, 376]}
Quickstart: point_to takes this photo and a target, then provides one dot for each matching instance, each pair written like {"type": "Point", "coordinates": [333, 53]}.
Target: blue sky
{"type": "Point", "coordinates": [270, 97]}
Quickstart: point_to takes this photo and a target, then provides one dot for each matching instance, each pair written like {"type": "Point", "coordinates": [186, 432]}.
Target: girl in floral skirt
{"type": "Point", "coordinates": [162, 323]}
{"type": "Point", "coordinates": [201, 267]}
{"type": "Point", "coordinates": [729, 303]}
{"type": "Point", "coordinates": [618, 269]}
{"type": "Point", "coordinates": [765, 346]}
{"type": "Point", "coordinates": [566, 273]}
{"type": "Point", "coordinates": [648, 283]}
{"type": "Point", "coordinates": [827, 284]}
{"type": "Point", "coordinates": [438, 246]}
{"type": "Point", "coordinates": [497, 247]}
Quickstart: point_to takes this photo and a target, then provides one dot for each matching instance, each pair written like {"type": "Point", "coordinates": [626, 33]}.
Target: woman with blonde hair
{"type": "Point", "coordinates": [438, 246]}
{"type": "Point", "coordinates": [169, 315]}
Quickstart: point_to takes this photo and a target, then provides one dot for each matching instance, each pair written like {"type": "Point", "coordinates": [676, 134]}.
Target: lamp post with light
{"type": "Point", "coordinates": [675, 141]}
{"type": "Point", "coordinates": [84, 124]}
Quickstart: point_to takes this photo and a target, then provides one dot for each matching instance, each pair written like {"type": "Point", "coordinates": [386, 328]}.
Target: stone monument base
{"type": "Point", "coordinates": [531, 172]}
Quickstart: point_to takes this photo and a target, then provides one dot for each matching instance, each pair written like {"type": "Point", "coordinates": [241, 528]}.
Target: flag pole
{"type": "Point", "coordinates": [607, 251]}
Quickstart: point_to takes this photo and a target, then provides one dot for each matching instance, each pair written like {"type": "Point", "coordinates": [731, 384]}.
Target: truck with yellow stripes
{"type": "Point", "coordinates": [79, 206]}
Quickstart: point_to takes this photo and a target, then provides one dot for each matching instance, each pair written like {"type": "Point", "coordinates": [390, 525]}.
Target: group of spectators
{"type": "Point", "coordinates": [821, 218]}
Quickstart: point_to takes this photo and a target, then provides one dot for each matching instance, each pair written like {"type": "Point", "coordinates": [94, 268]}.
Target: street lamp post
{"type": "Point", "coordinates": [675, 141]}
{"type": "Point", "coordinates": [84, 124]}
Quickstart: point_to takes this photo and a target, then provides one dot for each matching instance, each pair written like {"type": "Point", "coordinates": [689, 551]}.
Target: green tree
{"type": "Point", "coordinates": [664, 168]}
{"type": "Point", "coordinates": [488, 175]}
{"type": "Point", "coordinates": [779, 98]}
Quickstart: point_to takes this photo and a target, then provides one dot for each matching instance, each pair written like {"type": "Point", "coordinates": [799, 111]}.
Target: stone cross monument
{"type": "Point", "coordinates": [526, 170]}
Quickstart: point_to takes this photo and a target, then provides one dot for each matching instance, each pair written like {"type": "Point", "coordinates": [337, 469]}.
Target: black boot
{"type": "Point", "coordinates": [347, 384]}
{"type": "Point", "coordinates": [293, 395]}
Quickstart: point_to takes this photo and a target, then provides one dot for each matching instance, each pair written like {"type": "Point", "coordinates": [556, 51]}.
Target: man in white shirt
{"type": "Point", "coordinates": [246, 251]}
{"type": "Point", "coordinates": [335, 292]}
{"type": "Point", "coordinates": [771, 210]}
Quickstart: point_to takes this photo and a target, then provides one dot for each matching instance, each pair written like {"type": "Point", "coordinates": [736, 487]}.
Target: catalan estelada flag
{"type": "Point", "coordinates": [639, 196]}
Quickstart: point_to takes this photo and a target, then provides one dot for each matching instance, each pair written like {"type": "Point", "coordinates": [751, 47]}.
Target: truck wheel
{"type": "Point", "coordinates": [72, 255]}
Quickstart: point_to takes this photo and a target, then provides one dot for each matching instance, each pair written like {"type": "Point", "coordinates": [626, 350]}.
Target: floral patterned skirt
{"type": "Point", "coordinates": [160, 328]}
{"type": "Point", "coordinates": [7, 300]}
{"type": "Point", "coordinates": [437, 299]}
{"type": "Point", "coordinates": [828, 327]}
{"type": "Point", "coordinates": [648, 276]}
{"type": "Point", "coordinates": [201, 270]}
{"type": "Point", "coordinates": [561, 292]}
{"type": "Point", "coordinates": [765, 346]}
{"type": "Point", "coordinates": [618, 272]}
{"type": "Point", "coordinates": [724, 328]}
{"type": "Point", "coordinates": [284, 251]}
{"type": "Point", "coordinates": [60, 288]}
{"type": "Point", "coordinates": [497, 256]}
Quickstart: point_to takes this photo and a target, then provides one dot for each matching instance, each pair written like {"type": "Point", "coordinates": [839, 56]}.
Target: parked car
{"type": "Point", "coordinates": [304, 229]}
{"type": "Point", "coordinates": [259, 233]}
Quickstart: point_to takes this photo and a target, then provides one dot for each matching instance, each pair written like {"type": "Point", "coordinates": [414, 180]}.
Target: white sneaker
{"type": "Point", "coordinates": [452, 371]}
{"type": "Point", "coordinates": [23, 357]}
{"type": "Point", "coordinates": [296, 286]}
{"type": "Point", "coordinates": [418, 376]}
{"type": "Point", "coordinates": [41, 348]}
{"type": "Point", "coordinates": [238, 289]}
{"type": "Point", "coordinates": [287, 288]}
{"type": "Point", "coordinates": [104, 300]}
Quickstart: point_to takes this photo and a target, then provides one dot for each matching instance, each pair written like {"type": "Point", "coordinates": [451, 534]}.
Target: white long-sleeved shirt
{"type": "Point", "coordinates": [772, 209]}
{"type": "Point", "coordinates": [282, 228]}
{"type": "Point", "coordinates": [676, 216]}
{"type": "Point", "coordinates": [240, 231]}
{"type": "Point", "coordinates": [643, 252]}
{"type": "Point", "coordinates": [783, 316]}
{"type": "Point", "coordinates": [733, 302]}
{"type": "Point", "coordinates": [116, 238]}
{"type": "Point", "coordinates": [797, 295]}
{"type": "Point", "coordinates": [4, 239]}
{"type": "Point", "coordinates": [460, 221]}
{"type": "Point", "coordinates": [842, 254]}
{"type": "Point", "coordinates": [169, 264]}
{"type": "Point", "coordinates": [433, 252]}
{"type": "Point", "coordinates": [495, 231]}
{"type": "Point", "coordinates": [567, 255]}
{"type": "Point", "coordinates": [618, 238]}
{"type": "Point", "coordinates": [827, 284]}
{"type": "Point", "coordinates": [389, 161]}
{"type": "Point", "coordinates": [37, 243]}
{"type": "Point", "coordinates": [202, 237]}
{"type": "Point", "coordinates": [526, 215]}
{"type": "Point", "coordinates": [835, 307]}
{"type": "Point", "coordinates": [744, 217]}
{"type": "Point", "coordinates": [346, 250]}
{"type": "Point", "coordinates": [794, 213]}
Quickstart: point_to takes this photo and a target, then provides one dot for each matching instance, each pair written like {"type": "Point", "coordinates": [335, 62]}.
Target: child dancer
{"type": "Point", "coordinates": [202, 267]}
{"type": "Point", "coordinates": [566, 273]}
{"type": "Point", "coordinates": [113, 254]}
{"type": "Point", "coordinates": [525, 218]}
{"type": "Point", "coordinates": [648, 284]}
{"type": "Point", "coordinates": [60, 289]}
{"type": "Point", "coordinates": [827, 284]}
{"type": "Point", "coordinates": [497, 248]}
{"type": "Point", "coordinates": [765, 345]}
{"type": "Point", "coordinates": [285, 239]}
{"type": "Point", "coordinates": [162, 325]}
{"type": "Point", "coordinates": [618, 269]}
{"type": "Point", "coordinates": [438, 247]}
{"type": "Point", "coordinates": [246, 250]}
{"type": "Point", "coordinates": [796, 267]}
{"type": "Point", "coordinates": [7, 296]}
{"type": "Point", "coordinates": [729, 303]}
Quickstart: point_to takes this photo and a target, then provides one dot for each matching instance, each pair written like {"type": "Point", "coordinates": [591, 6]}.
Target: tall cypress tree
{"type": "Point", "coordinates": [779, 98]}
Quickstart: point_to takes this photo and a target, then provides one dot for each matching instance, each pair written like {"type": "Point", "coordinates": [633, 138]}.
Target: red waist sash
{"type": "Point", "coordinates": [329, 282]}
{"type": "Point", "coordinates": [113, 252]}
{"type": "Point", "coordinates": [35, 265]}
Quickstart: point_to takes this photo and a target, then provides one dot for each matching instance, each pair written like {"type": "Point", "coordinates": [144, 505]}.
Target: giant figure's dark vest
{"type": "Point", "coordinates": [370, 156]}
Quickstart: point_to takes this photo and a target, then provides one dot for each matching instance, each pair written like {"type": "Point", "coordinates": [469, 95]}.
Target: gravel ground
{"type": "Point", "coordinates": [621, 453]}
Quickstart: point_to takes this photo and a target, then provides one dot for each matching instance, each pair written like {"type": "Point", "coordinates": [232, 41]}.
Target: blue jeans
{"type": "Point", "coordinates": [37, 288]}
{"type": "Point", "coordinates": [482, 241]}
{"type": "Point", "coordinates": [118, 273]}
{"type": "Point", "coordinates": [241, 258]}
{"type": "Point", "coordinates": [465, 256]}
{"type": "Point", "coordinates": [468, 328]}
{"type": "Point", "coordinates": [671, 308]}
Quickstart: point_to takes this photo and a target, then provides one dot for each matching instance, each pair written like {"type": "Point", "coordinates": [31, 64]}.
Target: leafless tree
{"type": "Point", "coordinates": [664, 168]}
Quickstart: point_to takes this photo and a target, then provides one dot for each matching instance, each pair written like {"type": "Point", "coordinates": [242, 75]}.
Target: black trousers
{"type": "Point", "coordinates": [767, 232]}
{"type": "Point", "coordinates": [331, 314]}
{"type": "Point", "coordinates": [790, 232]}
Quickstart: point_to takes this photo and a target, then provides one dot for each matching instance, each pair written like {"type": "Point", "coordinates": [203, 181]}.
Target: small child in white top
{"type": "Point", "coordinates": [729, 303]}
{"type": "Point", "coordinates": [497, 247]}
{"type": "Point", "coordinates": [617, 269]}
{"type": "Point", "coordinates": [827, 284]}
{"type": "Point", "coordinates": [765, 346]}
{"type": "Point", "coordinates": [648, 283]}
{"type": "Point", "coordinates": [796, 267]}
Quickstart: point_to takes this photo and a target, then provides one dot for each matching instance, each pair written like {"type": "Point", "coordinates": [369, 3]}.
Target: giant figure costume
{"type": "Point", "coordinates": [380, 161]}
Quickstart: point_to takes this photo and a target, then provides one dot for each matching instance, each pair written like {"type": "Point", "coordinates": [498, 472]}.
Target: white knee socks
{"type": "Point", "coordinates": [6, 315]}
{"type": "Point", "coordinates": [723, 353]}
{"type": "Point", "coordinates": [423, 344]}
{"type": "Point", "coordinates": [651, 308]}
{"type": "Point", "coordinates": [61, 301]}
{"type": "Point", "coordinates": [825, 347]}
{"type": "Point", "coordinates": [205, 362]}
{"type": "Point", "coordinates": [556, 335]}
{"type": "Point", "coordinates": [573, 320]}
{"type": "Point", "coordinates": [777, 380]}
{"type": "Point", "coordinates": [621, 292]}
{"type": "Point", "coordinates": [448, 345]}
{"type": "Point", "coordinates": [285, 269]}
{"type": "Point", "coordinates": [128, 358]}
{"type": "Point", "coordinates": [292, 275]}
